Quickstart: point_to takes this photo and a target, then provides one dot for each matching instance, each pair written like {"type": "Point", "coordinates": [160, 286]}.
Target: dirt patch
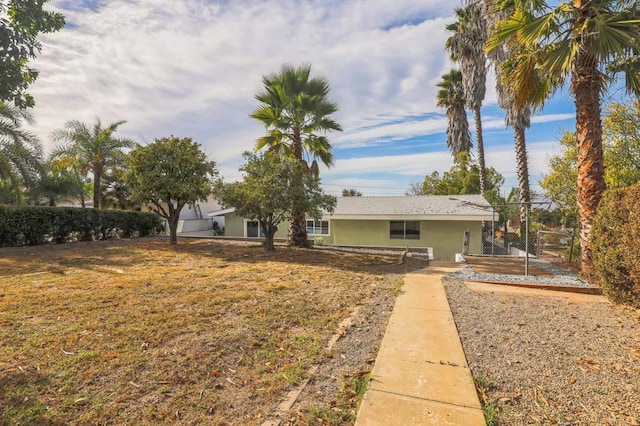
{"type": "Point", "coordinates": [139, 332]}
{"type": "Point", "coordinates": [540, 359]}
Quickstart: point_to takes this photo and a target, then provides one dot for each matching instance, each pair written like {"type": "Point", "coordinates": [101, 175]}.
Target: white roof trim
{"type": "Point", "coordinates": [221, 212]}
{"type": "Point", "coordinates": [478, 217]}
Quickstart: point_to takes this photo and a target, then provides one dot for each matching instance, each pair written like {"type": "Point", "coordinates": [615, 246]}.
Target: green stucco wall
{"type": "Point", "coordinates": [445, 237]}
{"type": "Point", "coordinates": [234, 227]}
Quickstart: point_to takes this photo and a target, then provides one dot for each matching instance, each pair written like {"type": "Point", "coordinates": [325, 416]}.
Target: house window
{"type": "Point", "coordinates": [252, 229]}
{"type": "Point", "coordinates": [318, 227]}
{"type": "Point", "coordinates": [404, 230]}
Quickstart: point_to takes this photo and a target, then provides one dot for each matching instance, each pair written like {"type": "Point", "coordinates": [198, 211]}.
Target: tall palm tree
{"type": "Point", "coordinates": [451, 97]}
{"type": "Point", "coordinates": [588, 43]}
{"type": "Point", "coordinates": [295, 111]}
{"type": "Point", "coordinates": [516, 116]}
{"type": "Point", "coordinates": [20, 150]}
{"type": "Point", "coordinates": [466, 47]}
{"type": "Point", "coordinates": [94, 149]}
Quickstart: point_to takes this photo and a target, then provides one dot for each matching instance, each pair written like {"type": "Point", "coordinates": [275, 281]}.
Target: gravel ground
{"type": "Point", "coordinates": [561, 277]}
{"type": "Point", "coordinates": [550, 360]}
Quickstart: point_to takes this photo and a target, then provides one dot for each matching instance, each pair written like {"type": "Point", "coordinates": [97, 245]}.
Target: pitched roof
{"type": "Point", "coordinates": [423, 205]}
{"type": "Point", "coordinates": [437, 207]}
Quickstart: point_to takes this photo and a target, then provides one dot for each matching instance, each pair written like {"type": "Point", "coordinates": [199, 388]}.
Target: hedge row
{"type": "Point", "coordinates": [616, 240]}
{"type": "Point", "coordinates": [29, 225]}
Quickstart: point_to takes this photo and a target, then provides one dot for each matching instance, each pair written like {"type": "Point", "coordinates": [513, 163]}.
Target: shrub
{"type": "Point", "coordinates": [29, 225]}
{"type": "Point", "coordinates": [615, 238]}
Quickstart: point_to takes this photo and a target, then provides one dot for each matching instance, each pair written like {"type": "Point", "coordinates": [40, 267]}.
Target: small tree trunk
{"type": "Point", "coordinates": [173, 230]}
{"type": "Point", "coordinates": [269, 230]}
{"type": "Point", "coordinates": [268, 241]}
{"type": "Point", "coordinates": [480, 147]}
{"type": "Point", "coordinates": [173, 219]}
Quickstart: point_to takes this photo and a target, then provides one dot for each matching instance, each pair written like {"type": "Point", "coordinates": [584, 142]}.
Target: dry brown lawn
{"type": "Point", "coordinates": [139, 332]}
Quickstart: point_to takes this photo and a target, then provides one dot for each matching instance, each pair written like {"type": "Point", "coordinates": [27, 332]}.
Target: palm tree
{"type": "Point", "coordinates": [516, 116]}
{"type": "Point", "coordinates": [295, 111]}
{"type": "Point", "coordinates": [451, 97]}
{"type": "Point", "coordinates": [20, 150]}
{"type": "Point", "coordinates": [466, 47]}
{"type": "Point", "coordinates": [588, 43]}
{"type": "Point", "coordinates": [55, 183]}
{"type": "Point", "coordinates": [94, 149]}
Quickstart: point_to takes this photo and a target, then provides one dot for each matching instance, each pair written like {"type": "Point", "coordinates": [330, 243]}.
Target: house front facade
{"type": "Point", "coordinates": [436, 222]}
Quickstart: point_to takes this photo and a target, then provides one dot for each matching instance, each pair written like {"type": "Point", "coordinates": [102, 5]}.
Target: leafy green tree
{"type": "Point", "coordinates": [587, 43]}
{"type": "Point", "coordinates": [21, 23]}
{"type": "Point", "coordinates": [351, 192]}
{"type": "Point", "coordinates": [92, 150]}
{"type": "Point", "coordinates": [466, 47]}
{"type": "Point", "coordinates": [296, 112]}
{"type": "Point", "coordinates": [20, 153]}
{"type": "Point", "coordinates": [462, 178]}
{"type": "Point", "coordinates": [621, 145]}
{"type": "Point", "coordinates": [169, 174]}
{"type": "Point", "coordinates": [560, 184]}
{"type": "Point", "coordinates": [621, 138]}
{"type": "Point", "coordinates": [451, 96]}
{"type": "Point", "coordinates": [270, 189]}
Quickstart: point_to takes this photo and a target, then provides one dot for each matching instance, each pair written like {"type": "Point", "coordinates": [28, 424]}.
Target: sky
{"type": "Point", "coordinates": [191, 68]}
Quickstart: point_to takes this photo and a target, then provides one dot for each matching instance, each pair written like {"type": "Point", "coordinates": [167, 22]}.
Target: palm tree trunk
{"type": "Point", "coordinates": [523, 174]}
{"type": "Point", "coordinates": [480, 147]}
{"type": "Point", "coordinates": [586, 84]}
{"type": "Point", "coordinates": [97, 182]}
{"type": "Point", "coordinates": [297, 235]}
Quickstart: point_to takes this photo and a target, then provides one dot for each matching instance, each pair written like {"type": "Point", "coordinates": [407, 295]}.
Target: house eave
{"type": "Point", "coordinates": [461, 218]}
{"type": "Point", "coordinates": [221, 212]}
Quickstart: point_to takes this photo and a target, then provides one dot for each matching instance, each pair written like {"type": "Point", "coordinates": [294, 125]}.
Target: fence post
{"type": "Point", "coordinates": [465, 242]}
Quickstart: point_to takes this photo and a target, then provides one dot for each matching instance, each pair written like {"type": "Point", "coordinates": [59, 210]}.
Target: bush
{"type": "Point", "coordinates": [30, 225]}
{"type": "Point", "coordinates": [616, 237]}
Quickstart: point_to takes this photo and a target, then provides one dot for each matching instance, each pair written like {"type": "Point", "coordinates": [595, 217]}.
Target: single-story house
{"type": "Point", "coordinates": [429, 221]}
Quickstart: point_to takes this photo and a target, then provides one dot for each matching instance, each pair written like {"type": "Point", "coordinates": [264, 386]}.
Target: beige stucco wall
{"type": "Point", "coordinates": [445, 237]}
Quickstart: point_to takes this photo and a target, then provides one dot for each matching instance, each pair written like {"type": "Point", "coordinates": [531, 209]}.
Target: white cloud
{"type": "Point", "coordinates": [192, 67]}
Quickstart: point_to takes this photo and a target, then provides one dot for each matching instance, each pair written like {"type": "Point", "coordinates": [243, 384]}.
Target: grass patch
{"type": "Point", "coordinates": [345, 408]}
{"type": "Point", "coordinates": [489, 406]}
{"type": "Point", "coordinates": [396, 287]}
{"type": "Point", "coordinates": [139, 332]}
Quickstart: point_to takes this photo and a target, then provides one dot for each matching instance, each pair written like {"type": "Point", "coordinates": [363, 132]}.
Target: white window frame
{"type": "Point", "coordinates": [314, 227]}
{"type": "Point", "coordinates": [260, 231]}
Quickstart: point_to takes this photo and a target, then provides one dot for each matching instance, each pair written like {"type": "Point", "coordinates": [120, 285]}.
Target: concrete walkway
{"type": "Point", "coordinates": [421, 376]}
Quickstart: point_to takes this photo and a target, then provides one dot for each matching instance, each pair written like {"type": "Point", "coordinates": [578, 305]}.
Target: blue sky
{"type": "Point", "coordinates": [192, 67]}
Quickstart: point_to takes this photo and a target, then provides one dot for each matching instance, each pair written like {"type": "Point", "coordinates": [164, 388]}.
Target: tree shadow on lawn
{"type": "Point", "coordinates": [19, 399]}
{"type": "Point", "coordinates": [101, 256]}
{"type": "Point", "coordinates": [254, 253]}
{"type": "Point", "coordinates": [112, 256]}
